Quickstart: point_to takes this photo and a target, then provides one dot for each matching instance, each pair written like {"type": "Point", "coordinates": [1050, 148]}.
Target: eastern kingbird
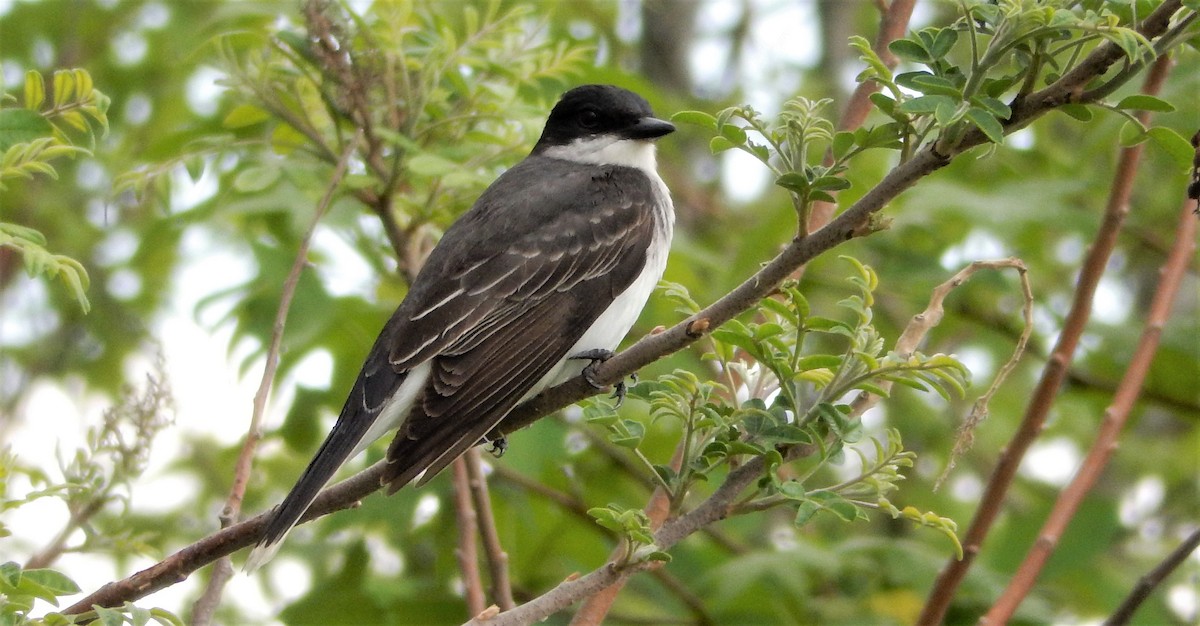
{"type": "Point", "coordinates": [554, 261]}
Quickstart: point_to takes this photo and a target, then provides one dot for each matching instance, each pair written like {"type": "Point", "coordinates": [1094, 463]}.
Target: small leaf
{"type": "Point", "coordinates": [720, 144]}
{"type": "Point", "coordinates": [244, 115]}
{"type": "Point", "coordinates": [697, 118]}
{"type": "Point", "coordinates": [1132, 133]}
{"type": "Point", "coordinates": [924, 104]}
{"type": "Point", "coordinates": [35, 89]}
{"type": "Point", "coordinates": [885, 104]}
{"type": "Point", "coordinates": [1174, 144]}
{"type": "Point", "coordinates": [734, 133]}
{"type": "Point", "coordinates": [843, 142]}
{"type": "Point", "coordinates": [1080, 112]}
{"type": "Point", "coordinates": [54, 581]}
{"type": "Point", "coordinates": [794, 181]}
{"type": "Point", "coordinates": [21, 126]}
{"type": "Point", "coordinates": [910, 50]}
{"type": "Point", "coordinates": [1143, 102]}
{"type": "Point", "coordinates": [64, 87]}
{"type": "Point", "coordinates": [987, 123]}
{"type": "Point", "coordinates": [256, 178]}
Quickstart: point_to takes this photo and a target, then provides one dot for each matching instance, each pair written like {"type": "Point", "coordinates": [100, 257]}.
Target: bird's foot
{"type": "Point", "coordinates": [497, 445]}
{"type": "Point", "coordinates": [598, 356]}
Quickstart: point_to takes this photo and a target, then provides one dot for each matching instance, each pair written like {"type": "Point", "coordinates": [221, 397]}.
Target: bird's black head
{"type": "Point", "coordinates": [597, 110]}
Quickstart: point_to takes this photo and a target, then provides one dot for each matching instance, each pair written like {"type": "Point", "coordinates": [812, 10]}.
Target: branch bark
{"type": "Point", "coordinates": [204, 608]}
{"type": "Point", "coordinates": [1115, 417]}
{"type": "Point", "coordinates": [1055, 371]}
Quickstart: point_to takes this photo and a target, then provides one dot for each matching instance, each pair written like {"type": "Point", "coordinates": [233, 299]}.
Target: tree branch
{"type": "Point", "coordinates": [1053, 374]}
{"type": "Point", "coordinates": [1115, 417]}
{"type": "Point", "coordinates": [467, 552]}
{"type": "Point", "coordinates": [206, 605]}
{"type": "Point", "coordinates": [1146, 584]}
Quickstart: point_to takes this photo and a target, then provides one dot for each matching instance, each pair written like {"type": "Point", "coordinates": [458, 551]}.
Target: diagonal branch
{"type": "Point", "coordinates": [1146, 584]}
{"type": "Point", "coordinates": [1055, 371]}
{"type": "Point", "coordinates": [206, 605]}
{"type": "Point", "coordinates": [1115, 417]}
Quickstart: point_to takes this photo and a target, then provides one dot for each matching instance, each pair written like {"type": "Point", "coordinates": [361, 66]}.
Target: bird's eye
{"type": "Point", "coordinates": [589, 119]}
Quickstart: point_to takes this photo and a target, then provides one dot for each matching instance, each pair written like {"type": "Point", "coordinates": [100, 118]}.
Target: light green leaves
{"type": "Point", "coordinates": [31, 138]}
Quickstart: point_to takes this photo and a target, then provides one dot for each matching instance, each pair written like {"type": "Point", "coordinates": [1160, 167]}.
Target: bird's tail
{"type": "Point", "coordinates": [359, 424]}
{"type": "Point", "coordinates": [338, 447]}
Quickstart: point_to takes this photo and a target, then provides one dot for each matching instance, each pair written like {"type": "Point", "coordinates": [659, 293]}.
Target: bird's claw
{"type": "Point", "coordinates": [598, 356]}
{"type": "Point", "coordinates": [497, 446]}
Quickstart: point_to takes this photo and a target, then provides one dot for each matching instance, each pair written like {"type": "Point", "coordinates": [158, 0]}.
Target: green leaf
{"type": "Point", "coordinates": [54, 581]}
{"type": "Point", "coordinates": [1080, 112]}
{"type": "Point", "coordinates": [1174, 144]}
{"type": "Point", "coordinates": [818, 361]}
{"type": "Point", "coordinates": [697, 118]}
{"type": "Point", "coordinates": [925, 104]}
{"type": "Point", "coordinates": [1132, 133]}
{"type": "Point", "coordinates": [64, 87]}
{"type": "Point", "coordinates": [929, 84]}
{"type": "Point", "coordinates": [256, 178]}
{"type": "Point", "coordinates": [843, 142]}
{"type": "Point", "coordinates": [10, 574]}
{"type": "Point", "coordinates": [794, 181]}
{"type": "Point", "coordinates": [720, 144]}
{"type": "Point", "coordinates": [987, 123]}
{"type": "Point", "coordinates": [1143, 102]}
{"type": "Point", "coordinates": [35, 89]}
{"type": "Point", "coordinates": [910, 50]}
{"type": "Point", "coordinates": [734, 133]}
{"type": "Point", "coordinates": [245, 115]}
{"type": "Point", "coordinates": [21, 126]}
{"type": "Point", "coordinates": [831, 183]}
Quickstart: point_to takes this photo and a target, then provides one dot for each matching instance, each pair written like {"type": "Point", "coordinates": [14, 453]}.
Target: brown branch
{"type": "Point", "coordinates": [1146, 584]}
{"type": "Point", "coordinates": [496, 556]}
{"type": "Point", "coordinates": [597, 606]}
{"type": "Point", "coordinates": [650, 348]}
{"type": "Point", "coordinates": [1055, 371]}
{"type": "Point", "coordinates": [205, 606]}
{"type": "Point", "coordinates": [892, 26]}
{"type": "Point", "coordinates": [467, 552]}
{"type": "Point", "coordinates": [1115, 417]}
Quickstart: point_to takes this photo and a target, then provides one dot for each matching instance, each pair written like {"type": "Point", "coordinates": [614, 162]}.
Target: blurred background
{"type": "Point", "coordinates": [188, 213]}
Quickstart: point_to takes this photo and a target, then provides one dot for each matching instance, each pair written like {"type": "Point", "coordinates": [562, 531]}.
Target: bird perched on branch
{"type": "Point", "coordinates": [554, 262]}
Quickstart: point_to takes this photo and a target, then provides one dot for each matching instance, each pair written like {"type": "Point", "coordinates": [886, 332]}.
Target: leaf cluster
{"type": "Point", "coordinates": [784, 397]}
{"type": "Point", "coordinates": [998, 51]}
{"type": "Point", "coordinates": [34, 135]}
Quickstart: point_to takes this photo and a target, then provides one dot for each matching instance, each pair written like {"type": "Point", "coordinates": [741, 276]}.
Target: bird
{"type": "Point", "coordinates": [552, 265]}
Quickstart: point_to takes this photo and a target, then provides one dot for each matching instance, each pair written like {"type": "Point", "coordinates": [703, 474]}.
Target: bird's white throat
{"type": "Point", "coordinates": [608, 150]}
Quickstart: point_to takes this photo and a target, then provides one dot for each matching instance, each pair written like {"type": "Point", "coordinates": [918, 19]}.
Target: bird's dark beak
{"type": "Point", "coordinates": [649, 128]}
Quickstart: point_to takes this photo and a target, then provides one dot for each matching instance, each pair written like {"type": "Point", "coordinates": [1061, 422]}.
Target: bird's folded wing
{"type": "Point", "coordinates": [504, 322]}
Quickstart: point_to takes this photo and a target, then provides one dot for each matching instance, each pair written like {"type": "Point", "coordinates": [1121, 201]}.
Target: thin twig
{"type": "Point", "coordinates": [1115, 417]}
{"type": "Point", "coordinates": [496, 556]}
{"type": "Point", "coordinates": [892, 25]}
{"type": "Point", "coordinates": [1055, 371]}
{"type": "Point", "coordinates": [467, 553]}
{"type": "Point", "coordinates": [597, 606]}
{"type": "Point", "coordinates": [1148, 583]}
{"type": "Point", "coordinates": [205, 606]}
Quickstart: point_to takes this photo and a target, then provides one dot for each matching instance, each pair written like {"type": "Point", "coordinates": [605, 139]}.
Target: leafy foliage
{"type": "Point", "coordinates": [32, 137]}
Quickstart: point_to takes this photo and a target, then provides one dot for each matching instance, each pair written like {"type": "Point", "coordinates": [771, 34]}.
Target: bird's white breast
{"type": "Point", "coordinates": [614, 323]}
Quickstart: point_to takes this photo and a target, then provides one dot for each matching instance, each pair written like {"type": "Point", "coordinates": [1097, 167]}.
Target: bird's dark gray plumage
{"type": "Point", "coordinates": [560, 252]}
